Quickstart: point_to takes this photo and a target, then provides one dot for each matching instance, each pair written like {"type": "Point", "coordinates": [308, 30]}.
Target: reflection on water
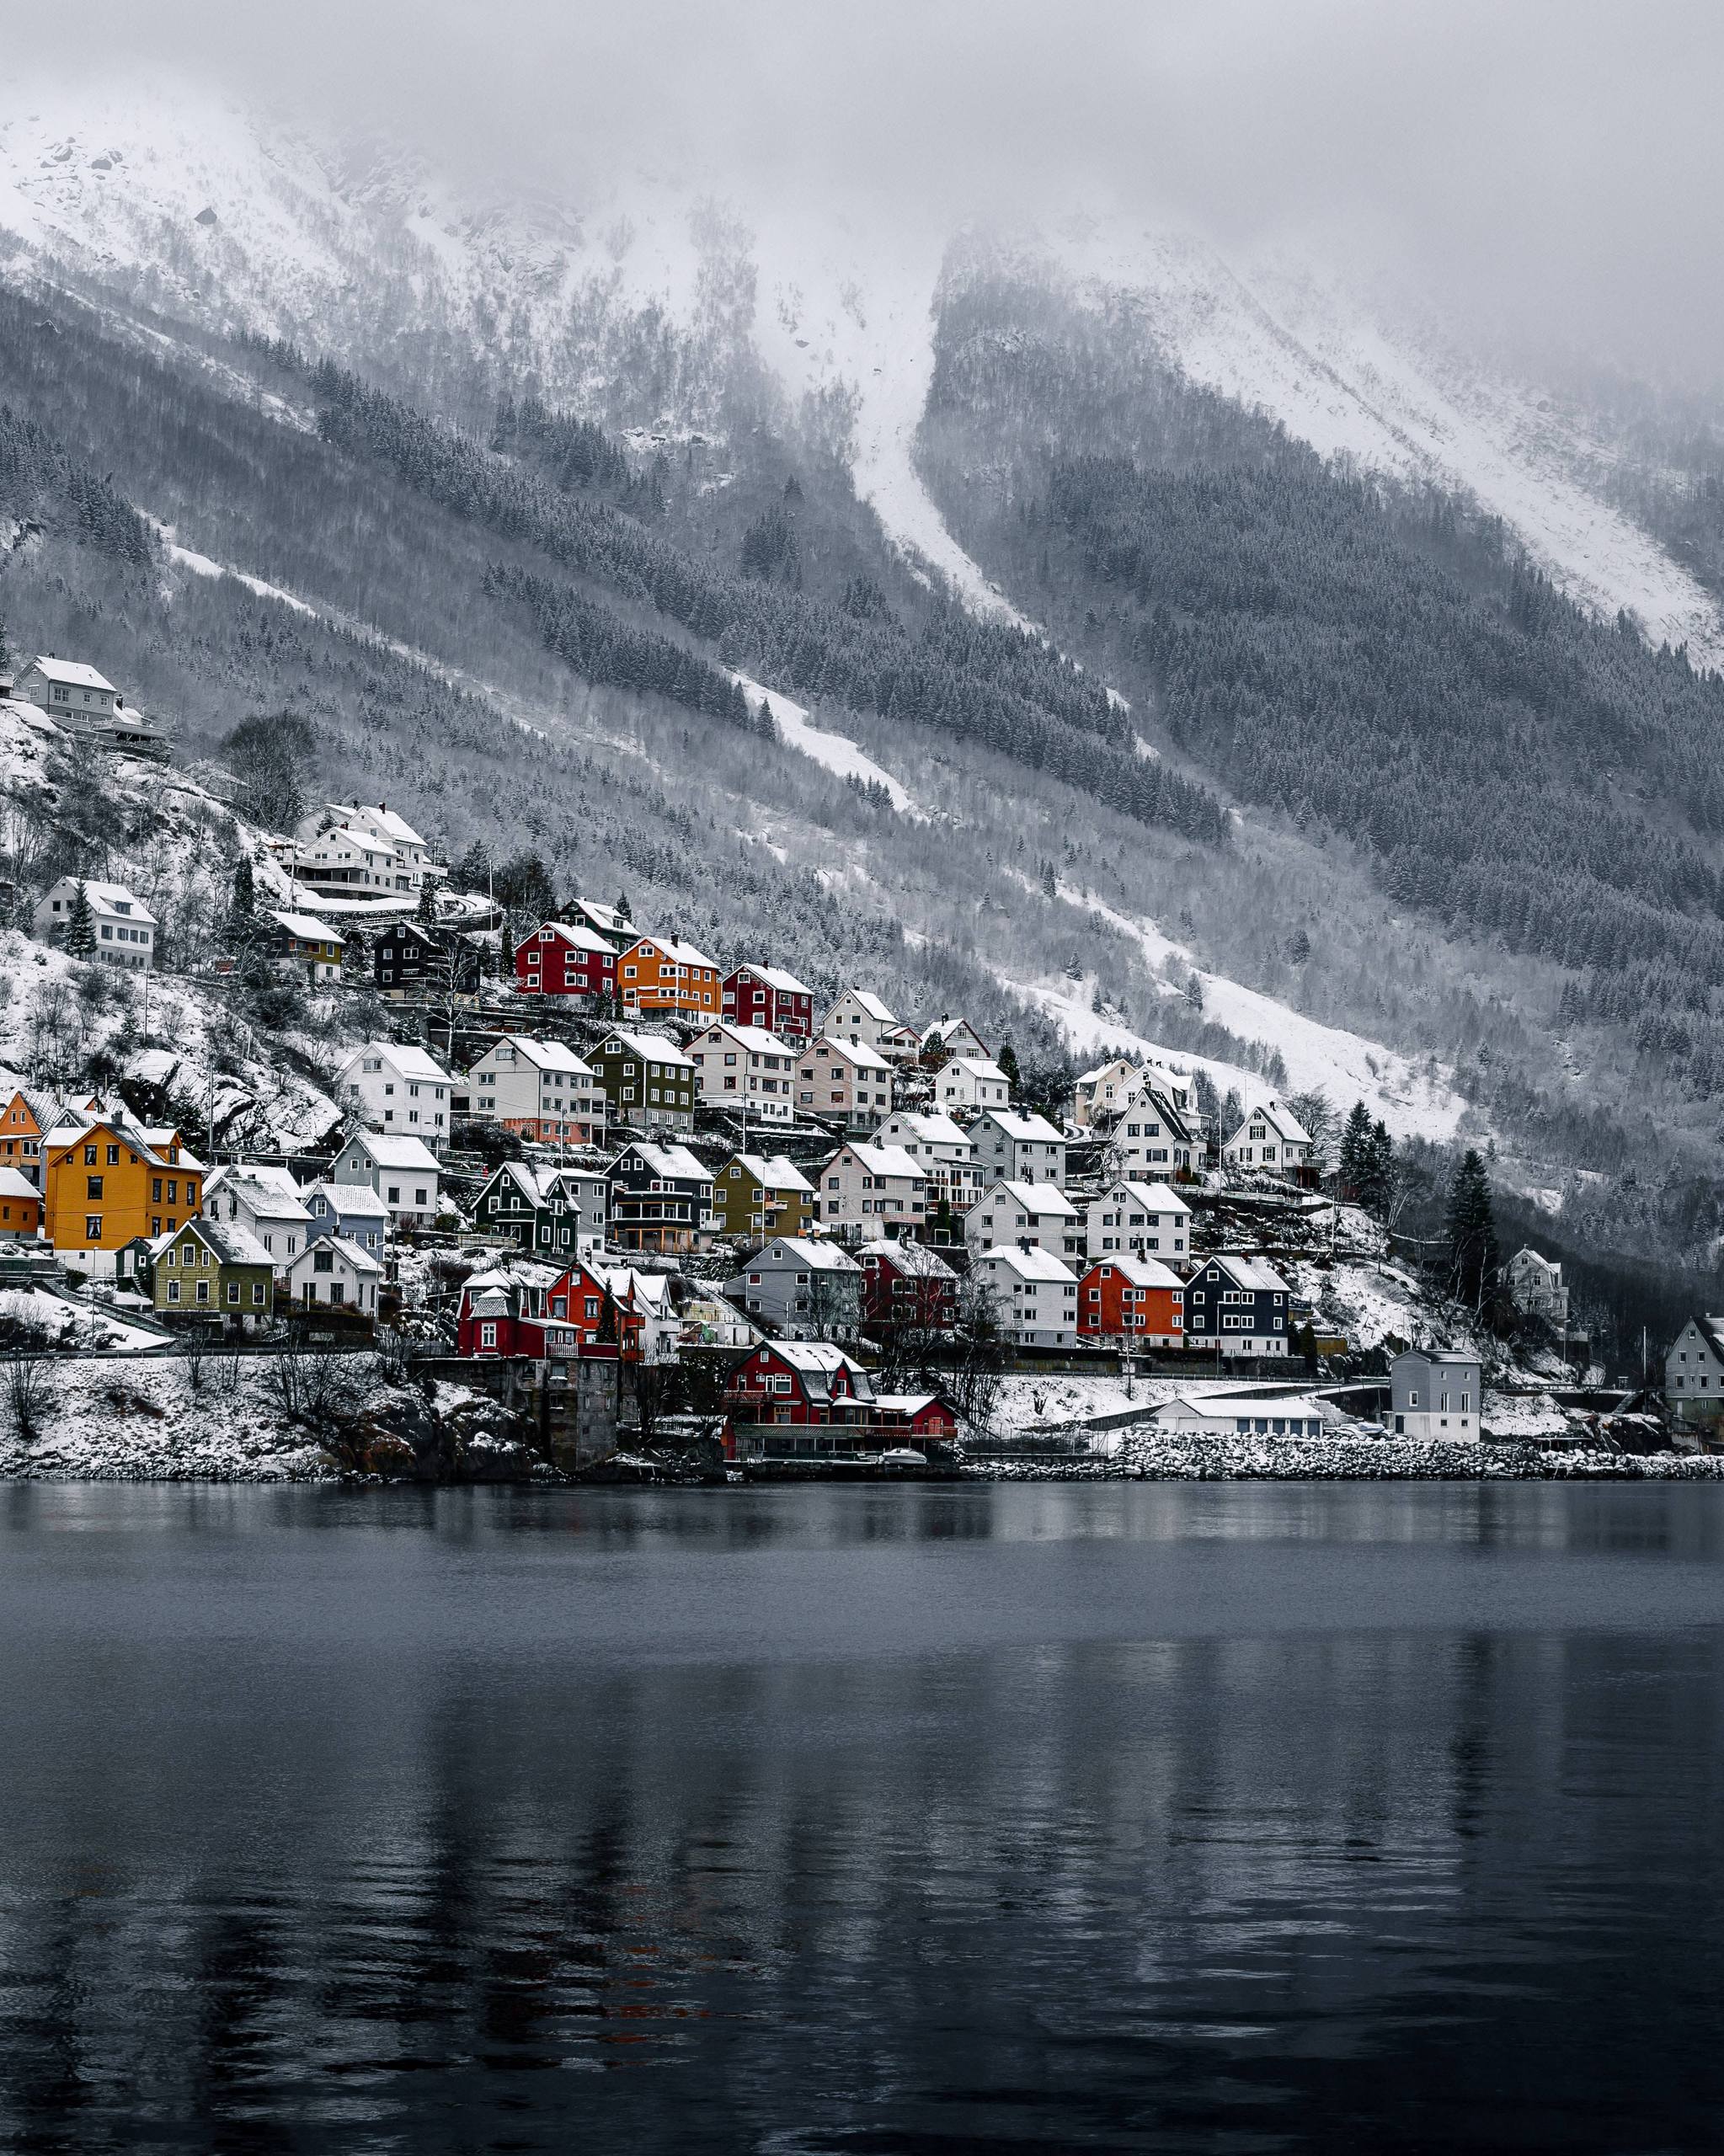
{"type": "Point", "coordinates": [1119, 1816]}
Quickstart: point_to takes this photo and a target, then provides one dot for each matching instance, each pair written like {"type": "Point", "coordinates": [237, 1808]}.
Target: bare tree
{"type": "Point", "coordinates": [30, 1394]}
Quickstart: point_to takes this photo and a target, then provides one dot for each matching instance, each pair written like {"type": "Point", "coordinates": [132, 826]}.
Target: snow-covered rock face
{"type": "Point", "coordinates": [647, 306]}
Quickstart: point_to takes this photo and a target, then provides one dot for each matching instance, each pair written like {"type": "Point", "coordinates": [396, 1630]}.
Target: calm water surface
{"type": "Point", "coordinates": [1111, 1817]}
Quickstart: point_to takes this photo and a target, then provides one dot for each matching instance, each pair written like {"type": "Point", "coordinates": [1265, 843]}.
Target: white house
{"type": "Point", "coordinates": [1100, 1095]}
{"type": "Point", "coordinates": [1535, 1286]}
{"type": "Point", "coordinates": [1271, 1137]}
{"type": "Point", "coordinates": [1436, 1393]}
{"type": "Point", "coordinates": [1013, 1148]}
{"type": "Point", "coordinates": [352, 1210]}
{"type": "Point", "coordinates": [264, 1201]}
{"type": "Point", "coordinates": [844, 1081]}
{"type": "Point", "coordinates": [345, 862]}
{"type": "Point", "coordinates": [860, 1017]}
{"type": "Point", "coordinates": [969, 1082]}
{"type": "Point", "coordinates": [123, 926]}
{"type": "Point", "coordinates": [1243, 1414]}
{"type": "Point", "coordinates": [1694, 1371]}
{"type": "Point", "coordinates": [943, 1148]}
{"type": "Point", "coordinates": [955, 1037]}
{"type": "Point", "coordinates": [1143, 1219]}
{"type": "Point", "coordinates": [335, 1274]}
{"type": "Point", "coordinates": [1027, 1215]}
{"type": "Point", "coordinates": [1160, 1131]}
{"type": "Point", "coordinates": [540, 1089]}
{"type": "Point", "coordinates": [400, 1089]}
{"type": "Point", "coordinates": [1032, 1295]}
{"type": "Point", "coordinates": [65, 689]}
{"type": "Point", "coordinates": [402, 1171]}
{"type": "Point", "coordinates": [878, 1189]}
{"type": "Point", "coordinates": [399, 858]}
{"type": "Point", "coordinates": [745, 1067]}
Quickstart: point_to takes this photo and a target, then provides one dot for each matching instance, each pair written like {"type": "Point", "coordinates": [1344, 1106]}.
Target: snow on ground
{"type": "Point", "coordinates": [836, 752]}
{"type": "Point", "coordinates": [90, 1326]}
{"type": "Point", "coordinates": [201, 565]}
{"type": "Point", "coordinates": [136, 1419]}
{"type": "Point", "coordinates": [1153, 1456]}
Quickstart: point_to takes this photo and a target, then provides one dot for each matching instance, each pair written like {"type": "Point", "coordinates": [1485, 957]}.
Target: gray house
{"type": "Point", "coordinates": [1694, 1371]}
{"type": "Point", "coordinates": [1014, 1148]}
{"type": "Point", "coordinates": [1436, 1393]}
{"type": "Point", "coordinates": [805, 1290]}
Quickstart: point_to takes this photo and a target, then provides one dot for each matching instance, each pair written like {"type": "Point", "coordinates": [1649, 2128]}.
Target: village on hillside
{"type": "Point", "coordinates": [626, 1205]}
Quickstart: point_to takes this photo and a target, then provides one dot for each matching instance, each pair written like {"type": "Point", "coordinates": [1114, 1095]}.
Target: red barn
{"type": "Point", "coordinates": [561, 960]}
{"type": "Point", "coordinates": [766, 996]}
{"type": "Point", "coordinates": [1136, 1299]}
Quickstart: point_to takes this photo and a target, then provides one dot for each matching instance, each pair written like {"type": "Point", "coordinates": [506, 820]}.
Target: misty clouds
{"type": "Point", "coordinates": [1552, 169]}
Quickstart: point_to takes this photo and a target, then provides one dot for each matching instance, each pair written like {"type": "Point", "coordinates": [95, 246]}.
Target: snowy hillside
{"type": "Point", "coordinates": [643, 308]}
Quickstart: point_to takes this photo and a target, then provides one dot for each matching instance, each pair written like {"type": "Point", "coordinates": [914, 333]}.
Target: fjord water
{"type": "Point", "coordinates": [1189, 1816]}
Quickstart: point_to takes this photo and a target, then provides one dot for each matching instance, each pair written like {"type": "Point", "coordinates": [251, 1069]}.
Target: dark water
{"type": "Point", "coordinates": [1109, 1817]}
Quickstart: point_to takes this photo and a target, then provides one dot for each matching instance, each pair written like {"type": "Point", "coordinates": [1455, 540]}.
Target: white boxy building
{"type": "Point", "coordinates": [400, 1090]}
{"type": "Point", "coordinates": [1143, 1219]}
{"type": "Point", "coordinates": [122, 925]}
{"type": "Point", "coordinates": [401, 1171]}
{"type": "Point", "coordinates": [1033, 1295]}
{"type": "Point", "coordinates": [1026, 1216]}
{"type": "Point", "coordinates": [745, 1067]}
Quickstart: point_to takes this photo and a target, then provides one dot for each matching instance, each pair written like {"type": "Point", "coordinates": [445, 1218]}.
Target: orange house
{"type": "Point", "coordinates": [658, 973]}
{"type": "Point", "coordinates": [109, 1181]}
{"type": "Point", "coordinates": [1132, 1299]}
{"type": "Point", "coordinates": [20, 1206]}
{"type": "Point", "coordinates": [21, 1138]}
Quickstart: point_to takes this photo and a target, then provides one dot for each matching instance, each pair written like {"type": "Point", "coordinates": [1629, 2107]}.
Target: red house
{"type": "Point", "coordinates": [914, 1418]}
{"type": "Point", "coordinates": [801, 1381]}
{"type": "Point", "coordinates": [539, 1312]}
{"type": "Point", "coordinates": [907, 1287]}
{"type": "Point", "coordinates": [1136, 1299]}
{"type": "Point", "coordinates": [560, 959]}
{"type": "Point", "coordinates": [763, 996]}
{"type": "Point", "coordinates": [602, 1323]}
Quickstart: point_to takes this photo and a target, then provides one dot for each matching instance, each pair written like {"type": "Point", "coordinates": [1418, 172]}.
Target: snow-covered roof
{"type": "Point", "coordinates": [357, 841]}
{"type": "Point", "coordinates": [1153, 1197]}
{"type": "Point", "coordinates": [232, 1244]}
{"type": "Point", "coordinates": [1281, 1120]}
{"type": "Point", "coordinates": [384, 819]}
{"type": "Point", "coordinates": [406, 1062]}
{"type": "Point", "coordinates": [1238, 1405]}
{"type": "Point", "coordinates": [775, 977]}
{"type": "Point", "coordinates": [943, 1029]}
{"type": "Point", "coordinates": [570, 931]}
{"type": "Point", "coordinates": [1459, 1356]}
{"type": "Point", "coordinates": [776, 1171]}
{"type": "Point", "coordinates": [361, 1261]}
{"type": "Point", "coordinates": [679, 953]}
{"type": "Point", "coordinates": [1030, 1265]}
{"type": "Point", "coordinates": [753, 1040]}
{"type": "Point", "coordinates": [815, 1356]}
{"type": "Point", "coordinates": [673, 1162]}
{"type": "Point", "coordinates": [262, 1194]}
{"type": "Point", "coordinates": [388, 1150]}
{"type": "Point", "coordinates": [71, 672]}
{"type": "Point", "coordinates": [309, 930]}
{"type": "Point", "coordinates": [1034, 1197]}
{"type": "Point", "coordinates": [544, 1055]}
{"type": "Point", "coordinates": [910, 1257]}
{"type": "Point", "coordinates": [819, 1257]}
{"type": "Point", "coordinates": [654, 1048]}
{"type": "Point", "coordinates": [1137, 1272]}
{"type": "Point", "coordinates": [886, 1161]}
{"type": "Point", "coordinates": [870, 1005]}
{"type": "Point", "coordinates": [111, 899]}
{"type": "Point", "coordinates": [929, 1130]}
{"type": "Point", "coordinates": [857, 1052]}
{"type": "Point", "coordinates": [1247, 1272]}
{"type": "Point", "coordinates": [1024, 1129]}
{"type": "Point", "coordinates": [350, 1198]}
{"type": "Point", "coordinates": [13, 1185]}
{"type": "Point", "coordinates": [979, 1067]}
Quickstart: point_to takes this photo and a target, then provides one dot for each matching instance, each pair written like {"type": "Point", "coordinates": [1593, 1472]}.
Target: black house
{"type": "Point", "coordinates": [1239, 1305]}
{"type": "Point", "coordinates": [408, 955]}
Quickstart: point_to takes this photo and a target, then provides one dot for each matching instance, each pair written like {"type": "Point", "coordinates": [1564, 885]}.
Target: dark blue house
{"type": "Point", "coordinates": [1239, 1305]}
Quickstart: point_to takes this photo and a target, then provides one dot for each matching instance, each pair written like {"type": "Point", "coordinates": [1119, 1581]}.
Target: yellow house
{"type": "Point", "coordinates": [757, 1196]}
{"type": "Point", "coordinates": [107, 1181]}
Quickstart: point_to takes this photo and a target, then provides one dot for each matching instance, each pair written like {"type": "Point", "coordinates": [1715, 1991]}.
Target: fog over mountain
{"type": "Point", "coordinates": [1548, 169]}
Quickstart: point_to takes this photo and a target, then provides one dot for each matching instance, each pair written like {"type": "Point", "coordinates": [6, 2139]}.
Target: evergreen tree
{"type": "Point", "coordinates": [1354, 1155]}
{"type": "Point", "coordinates": [80, 925]}
{"type": "Point", "coordinates": [1008, 1064]}
{"type": "Point", "coordinates": [1378, 1174]}
{"type": "Point", "coordinates": [244, 905]}
{"type": "Point", "coordinates": [426, 912]}
{"type": "Point", "coordinates": [622, 910]}
{"type": "Point", "coordinates": [472, 872]}
{"type": "Point", "coordinates": [1472, 1234]}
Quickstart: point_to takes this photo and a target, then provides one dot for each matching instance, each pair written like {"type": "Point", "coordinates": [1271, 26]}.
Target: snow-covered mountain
{"type": "Point", "coordinates": [649, 306]}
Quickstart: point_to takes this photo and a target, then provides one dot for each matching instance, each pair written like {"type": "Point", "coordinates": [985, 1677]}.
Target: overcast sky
{"type": "Point", "coordinates": [1554, 165]}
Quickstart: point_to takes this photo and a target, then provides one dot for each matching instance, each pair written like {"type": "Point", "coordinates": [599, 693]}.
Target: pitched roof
{"type": "Point", "coordinates": [944, 1029]}
{"type": "Point", "coordinates": [931, 1129]}
{"type": "Point", "coordinates": [386, 819]}
{"type": "Point", "coordinates": [1034, 1197]}
{"type": "Point", "coordinates": [979, 1066]}
{"type": "Point", "coordinates": [71, 672]}
{"type": "Point", "coordinates": [654, 1048]}
{"type": "Point", "coordinates": [261, 1194]}
{"type": "Point", "coordinates": [567, 932]}
{"type": "Point", "coordinates": [389, 1150]}
{"type": "Point", "coordinates": [885, 1160]}
{"type": "Point", "coordinates": [872, 1006]}
{"type": "Point", "coordinates": [1286, 1125]}
{"type": "Point", "coordinates": [1153, 1197]}
{"type": "Point", "coordinates": [857, 1052]}
{"type": "Point", "coordinates": [673, 1162]}
{"type": "Point", "coordinates": [352, 1197]}
{"type": "Point", "coordinates": [410, 1062]}
{"type": "Point", "coordinates": [13, 1185]}
{"type": "Point", "coordinates": [232, 1244]}
{"type": "Point", "coordinates": [1024, 1129]}
{"type": "Point", "coordinates": [1032, 1264]}
{"type": "Point", "coordinates": [819, 1257]}
{"type": "Point", "coordinates": [1138, 1272]}
{"type": "Point", "coordinates": [308, 929]}
{"type": "Point", "coordinates": [812, 1356]}
{"type": "Point", "coordinates": [755, 1040]}
{"type": "Point", "coordinates": [913, 1258]}
{"type": "Point", "coordinates": [111, 898]}
{"type": "Point", "coordinates": [776, 1171]}
{"type": "Point", "coordinates": [361, 1261]}
{"type": "Point", "coordinates": [774, 977]}
{"type": "Point", "coordinates": [1247, 1271]}
{"type": "Point", "coordinates": [678, 953]}
{"type": "Point", "coordinates": [544, 1055]}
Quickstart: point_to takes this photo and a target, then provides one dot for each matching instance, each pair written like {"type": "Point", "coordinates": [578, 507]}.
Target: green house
{"type": "Point", "coordinates": [211, 1269]}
